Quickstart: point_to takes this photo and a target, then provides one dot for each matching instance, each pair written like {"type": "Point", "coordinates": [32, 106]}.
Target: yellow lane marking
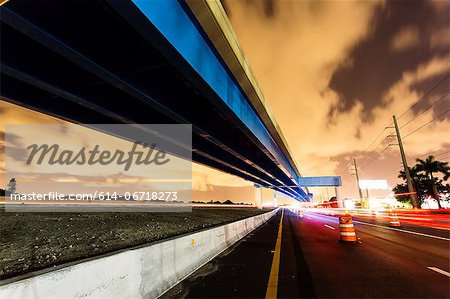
{"type": "Point", "coordinates": [3, 2]}
{"type": "Point", "coordinates": [272, 286]}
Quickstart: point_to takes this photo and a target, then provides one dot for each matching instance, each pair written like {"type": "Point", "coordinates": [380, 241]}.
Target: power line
{"type": "Point", "coordinates": [376, 139]}
{"type": "Point", "coordinates": [374, 150]}
{"type": "Point", "coordinates": [381, 143]}
{"type": "Point", "coordinates": [426, 124]}
{"type": "Point", "coordinates": [342, 168]}
{"type": "Point", "coordinates": [442, 154]}
{"type": "Point", "coordinates": [374, 158]}
{"type": "Point", "coordinates": [372, 143]}
{"type": "Point", "coordinates": [423, 111]}
{"type": "Point", "coordinates": [421, 99]}
{"type": "Point", "coordinates": [348, 172]}
{"type": "Point", "coordinates": [425, 95]}
{"type": "Point", "coordinates": [403, 114]}
{"type": "Point", "coordinates": [444, 158]}
{"type": "Point", "coordinates": [433, 152]}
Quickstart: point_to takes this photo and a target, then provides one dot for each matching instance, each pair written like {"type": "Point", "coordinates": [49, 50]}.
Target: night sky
{"type": "Point", "coordinates": [334, 73]}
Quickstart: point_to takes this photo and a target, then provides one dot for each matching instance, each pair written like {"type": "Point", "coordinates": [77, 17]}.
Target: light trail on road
{"type": "Point", "coordinates": [313, 263]}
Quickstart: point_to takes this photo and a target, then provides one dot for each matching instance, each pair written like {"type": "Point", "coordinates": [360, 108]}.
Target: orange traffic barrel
{"type": "Point", "coordinates": [393, 219]}
{"type": "Point", "coordinates": [346, 229]}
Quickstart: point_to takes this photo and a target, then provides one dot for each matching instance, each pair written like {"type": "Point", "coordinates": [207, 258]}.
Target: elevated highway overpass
{"type": "Point", "coordinates": [138, 62]}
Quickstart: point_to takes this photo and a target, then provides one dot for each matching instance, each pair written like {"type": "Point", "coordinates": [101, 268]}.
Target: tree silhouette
{"type": "Point", "coordinates": [12, 186]}
{"type": "Point", "coordinates": [425, 183]}
{"type": "Point", "coordinates": [430, 166]}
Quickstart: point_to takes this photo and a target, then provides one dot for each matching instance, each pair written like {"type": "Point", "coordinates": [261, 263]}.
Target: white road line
{"type": "Point", "coordinates": [328, 226]}
{"type": "Point", "coordinates": [396, 229]}
{"type": "Point", "coordinates": [403, 231]}
{"type": "Point", "coordinates": [439, 271]}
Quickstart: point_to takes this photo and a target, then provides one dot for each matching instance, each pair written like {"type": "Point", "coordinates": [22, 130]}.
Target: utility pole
{"type": "Point", "coordinates": [357, 179]}
{"type": "Point", "coordinates": [405, 165]}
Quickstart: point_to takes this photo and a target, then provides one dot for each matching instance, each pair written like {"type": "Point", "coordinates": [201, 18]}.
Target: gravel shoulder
{"type": "Point", "coordinates": [35, 241]}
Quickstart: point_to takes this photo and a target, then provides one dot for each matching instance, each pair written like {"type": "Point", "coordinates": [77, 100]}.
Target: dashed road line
{"type": "Point", "coordinates": [395, 229]}
{"type": "Point", "coordinates": [439, 271]}
{"type": "Point", "coordinates": [403, 231]}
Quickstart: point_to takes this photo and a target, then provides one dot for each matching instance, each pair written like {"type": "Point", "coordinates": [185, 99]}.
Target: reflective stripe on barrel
{"type": "Point", "coordinates": [346, 229]}
{"type": "Point", "coordinates": [393, 219]}
{"type": "Point", "coordinates": [345, 225]}
{"type": "Point", "coordinates": [348, 233]}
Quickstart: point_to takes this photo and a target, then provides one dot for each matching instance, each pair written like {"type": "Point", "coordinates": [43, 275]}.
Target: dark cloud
{"type": "Point", "coordinates": [436, 100]}
{"type": "Point", "coordinates": [269, 8]}
{"type": "Point", "coordinates": [373, 65]}
{"type": "Point", "coordinates": [11, 138]}
{"type": "Point", "coordinates": [438, 95]}
{"type": "Point", "coordinates": [12, 143]}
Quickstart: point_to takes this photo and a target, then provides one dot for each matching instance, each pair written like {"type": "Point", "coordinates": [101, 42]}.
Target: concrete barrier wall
{"type": "Point", "coordinates": [145, 272]}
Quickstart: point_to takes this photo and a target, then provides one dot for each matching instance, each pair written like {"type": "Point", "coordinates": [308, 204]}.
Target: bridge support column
{"type": "Point", "coordinates": [258, 196]}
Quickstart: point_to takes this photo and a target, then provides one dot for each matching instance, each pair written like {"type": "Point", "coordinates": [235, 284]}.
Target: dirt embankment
{"type": "Point", "coordinates": [34, 241]}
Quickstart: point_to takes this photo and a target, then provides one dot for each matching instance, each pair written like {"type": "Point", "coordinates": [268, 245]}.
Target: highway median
{"type": "Point", "coordinates": [156, 250]}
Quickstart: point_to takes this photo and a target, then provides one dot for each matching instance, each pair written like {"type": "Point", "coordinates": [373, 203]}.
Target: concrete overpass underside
{"type": "Point", "coordinates": [142, 62]}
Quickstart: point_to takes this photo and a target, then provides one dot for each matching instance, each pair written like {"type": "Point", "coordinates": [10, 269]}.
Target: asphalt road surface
{"type": "Point", "coordinates": [384, 263]}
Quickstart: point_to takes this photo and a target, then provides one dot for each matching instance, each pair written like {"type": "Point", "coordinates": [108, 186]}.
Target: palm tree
{"type": "Point", "coordinates": [418, 186]}
{"type": "Point", "coordinates": [414, 173]}
{"type": "Point", "coordinates": [430, 166]}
